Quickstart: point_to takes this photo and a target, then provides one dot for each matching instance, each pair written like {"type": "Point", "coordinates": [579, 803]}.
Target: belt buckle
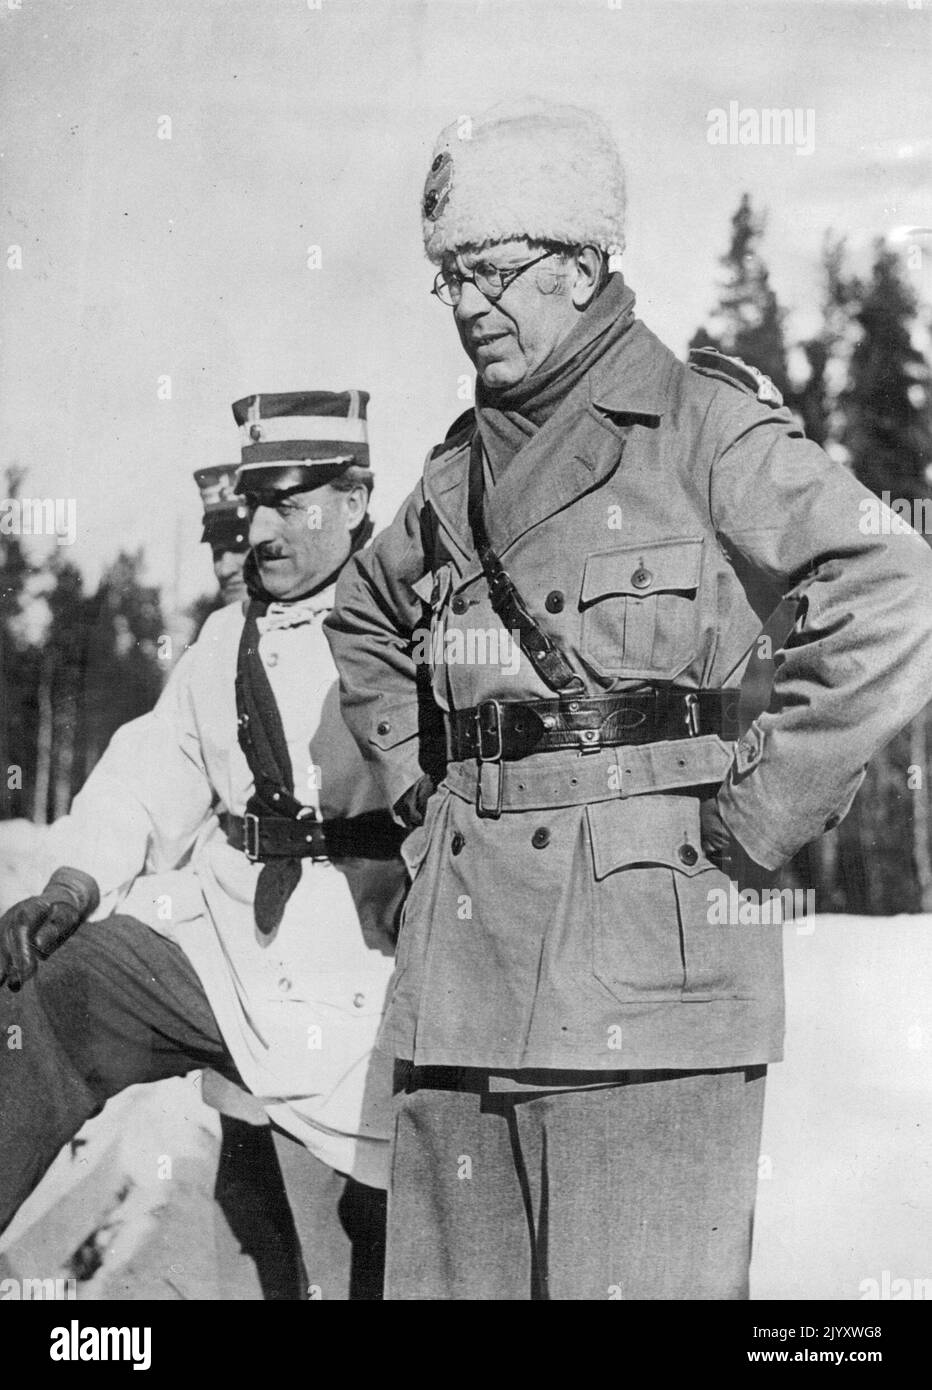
{"type": "Point", "coordinates": [481, 755]}
{"type": "Point", "coordinates": [692, 716]}
{"type": "Point", "coordinates": [493, 811]}
{"type": "Point", "coordinates": [251, 836]}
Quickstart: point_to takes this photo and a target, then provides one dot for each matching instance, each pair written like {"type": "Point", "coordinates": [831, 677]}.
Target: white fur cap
{"type": "Point", "coordinates": [533, 170]}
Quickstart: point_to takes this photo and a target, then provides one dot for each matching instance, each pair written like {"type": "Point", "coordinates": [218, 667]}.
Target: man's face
{"type": "Point", "coordinates": [228, 567]}
{"type": "Point", "coordinates": [513, 337]}
{"type": "Point", "coordinates": [299, 538]}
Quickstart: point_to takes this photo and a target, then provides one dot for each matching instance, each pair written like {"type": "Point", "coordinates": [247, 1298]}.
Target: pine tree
{"type": "Point", "coordinates": [748, 320]}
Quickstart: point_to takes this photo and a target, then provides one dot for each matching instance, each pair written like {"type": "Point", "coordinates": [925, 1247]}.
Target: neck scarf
{"type": "Point", "coordinates": [508, 418]}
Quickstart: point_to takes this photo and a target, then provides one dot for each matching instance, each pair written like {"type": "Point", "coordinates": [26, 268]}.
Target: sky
{"type": "Point", "coordinates": [300, 124]}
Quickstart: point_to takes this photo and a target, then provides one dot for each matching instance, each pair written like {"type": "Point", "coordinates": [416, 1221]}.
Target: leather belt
{"type": "Point", "coordinates": [372, 835]}
{"type": "Point", "coordinates": [505, 730]}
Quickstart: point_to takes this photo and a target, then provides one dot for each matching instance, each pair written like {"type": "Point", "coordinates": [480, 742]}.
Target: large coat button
{"type": "Point", "coordinates": [688, 854]}
{"type": "Point", "coordinates": [383, 727]}
{"type": "Point", "coordinates": [459, 604]}
{"type": "Point", "coordinates": [642, 578]}
{"type": "Point", "coordinates": [554, 601]}
{"type": "Point", "coordinates": [541, 837]}
{"type": "Point", "coordinates": [457, 843]}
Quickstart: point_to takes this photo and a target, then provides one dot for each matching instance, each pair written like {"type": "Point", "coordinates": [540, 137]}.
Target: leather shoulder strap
{"type": "Point", "coordinates": [509, 607]}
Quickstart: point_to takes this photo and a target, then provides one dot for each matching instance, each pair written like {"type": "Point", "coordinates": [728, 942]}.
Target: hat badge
{"type": "Point", "coordinates": [439, 185]}
{"type": "Point", "coordinates": [255, 432]}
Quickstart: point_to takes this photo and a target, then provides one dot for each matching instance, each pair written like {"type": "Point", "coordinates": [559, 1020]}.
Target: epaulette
{"type": "Point", "coordinates": [461, 425]}
{"type": "Point", "coordinates": [708, 361]}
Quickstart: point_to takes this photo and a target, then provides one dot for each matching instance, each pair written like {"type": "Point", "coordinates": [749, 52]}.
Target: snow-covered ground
{"type": "Point", "coordinates": [848, 1124]}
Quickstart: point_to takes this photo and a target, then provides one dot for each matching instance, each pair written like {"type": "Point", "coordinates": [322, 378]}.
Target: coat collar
{"type": "Point", "coordinates": [576, 450]}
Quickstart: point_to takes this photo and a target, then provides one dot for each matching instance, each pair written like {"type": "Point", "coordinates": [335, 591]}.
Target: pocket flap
{"type": "Point", "coordinates": [640, 570]}
{"type": "Point", "coordinates": [646, 830]}
{"type": "Point", "coordinates": [393, 724]}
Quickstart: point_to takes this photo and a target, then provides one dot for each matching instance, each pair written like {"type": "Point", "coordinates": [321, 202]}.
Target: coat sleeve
{"type": "Point", "coordinates": [857, 665]}
{"type": "Point", "coordinates": [371, 632]}
{"type": "Point", "coordinates": [145, 800]}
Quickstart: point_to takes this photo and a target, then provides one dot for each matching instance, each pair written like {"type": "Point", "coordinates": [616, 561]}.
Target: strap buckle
{"type": "Point", "coordinates": [692, 715]}
{"type": "Point", "coordinates": [489, 722]}
{"type": "Point", "coordinates": [251, 836]}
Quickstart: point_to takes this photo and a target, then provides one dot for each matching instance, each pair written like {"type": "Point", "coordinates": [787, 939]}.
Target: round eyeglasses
{"type": "Point", "coordinates": [490, 280]}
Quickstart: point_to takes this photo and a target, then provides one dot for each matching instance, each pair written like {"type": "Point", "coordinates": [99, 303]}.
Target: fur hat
{"type": "Point", "coordinates": [529, 170]}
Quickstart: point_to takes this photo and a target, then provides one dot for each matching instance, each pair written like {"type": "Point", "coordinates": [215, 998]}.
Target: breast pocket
{"type": "Point", "coordinates": [639, 608]}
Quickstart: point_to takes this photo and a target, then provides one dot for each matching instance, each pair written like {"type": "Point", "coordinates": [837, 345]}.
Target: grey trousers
{"type": "Point", "coordinates": [118, 1005]}
{"type": "Point", "coordinates": [641, 1190]}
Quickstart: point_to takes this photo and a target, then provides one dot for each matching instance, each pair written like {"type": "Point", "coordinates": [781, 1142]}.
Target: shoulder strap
{"type": "Point", "coordinates": [259, 724]}
{"type": "Point", "coordinates": [509, 607]}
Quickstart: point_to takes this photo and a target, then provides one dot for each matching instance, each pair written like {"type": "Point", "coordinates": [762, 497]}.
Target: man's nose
{"type": "Point", "coordinates": [264, 525]}
{"type": "Point", "coordinates": [473, 303]}
{"type": "Point", "coordinates": [228, 562]}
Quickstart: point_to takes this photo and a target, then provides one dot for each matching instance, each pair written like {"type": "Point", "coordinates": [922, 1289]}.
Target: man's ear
{"type": "Point", "coordinates": [588, 275]}
{"type": "Point", "coordinates": [355, 501]}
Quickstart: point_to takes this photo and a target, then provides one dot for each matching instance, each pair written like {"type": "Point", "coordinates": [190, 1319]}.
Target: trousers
{"type": "Point", "coordinates": [117, 1005]}
{"type": "Point", "coordinates": [642, 1189]}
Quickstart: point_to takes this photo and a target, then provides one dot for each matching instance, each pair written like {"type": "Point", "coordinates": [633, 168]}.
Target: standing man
{"type": "Point", "coordinates": [226, 528]}
{"type": "Point", "coordinates": [581, 1050]}
{"type": "Point", "coordinates": [269, 963]}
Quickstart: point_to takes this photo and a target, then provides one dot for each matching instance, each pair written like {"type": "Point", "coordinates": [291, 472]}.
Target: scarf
{"type": "Point", "coordinates": [508, 418]}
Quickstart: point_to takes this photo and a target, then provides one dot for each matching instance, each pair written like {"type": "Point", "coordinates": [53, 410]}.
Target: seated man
{"type": "Point", "coordinates": [270, 961]}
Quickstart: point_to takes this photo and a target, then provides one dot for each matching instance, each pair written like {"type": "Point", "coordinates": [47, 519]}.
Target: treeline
{"type": "Point", "coordinates": [74, 666]}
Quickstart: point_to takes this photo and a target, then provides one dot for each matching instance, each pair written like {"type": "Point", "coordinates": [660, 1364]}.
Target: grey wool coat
{"type": "Point", "coordinates": [574, 931]}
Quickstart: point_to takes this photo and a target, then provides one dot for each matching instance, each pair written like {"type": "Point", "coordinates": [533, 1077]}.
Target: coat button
{"type": "Point", "coordinates": [554, 601]}
{"type": "Point", "coordinates": [457, 843]}
{"type": "Point", "coordinates": [358, 1001]}
{"type": "Point", "coordinates": [642, 578]}
{"type": "Point", "coordinates": [284, 984]}
{"type": "Point", "coordinates": [383, 727]}
{"type": "Point", "coordinates": [459, 604]}
{"type": "Point", "coordinates": [541, 837]}
{"type": "Point", "coordinates": [688, 854]}
{"type": "Point", "coordinates": [272, 659]}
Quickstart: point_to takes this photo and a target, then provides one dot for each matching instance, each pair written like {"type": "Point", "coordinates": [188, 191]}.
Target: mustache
{"type": "Point", "coordinates": [268, 550]}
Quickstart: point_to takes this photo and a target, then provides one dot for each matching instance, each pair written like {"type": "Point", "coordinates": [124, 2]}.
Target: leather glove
{"type": "Point", "coordinates": [411, 808]}
{"type": "Point", "coordinates": [32, 929]}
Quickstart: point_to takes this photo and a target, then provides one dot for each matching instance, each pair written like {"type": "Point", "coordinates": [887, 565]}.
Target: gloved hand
{"type": "Point", "coordinates": [32, 929]}
{"type": "Point", "coordinates": [411, 808]}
